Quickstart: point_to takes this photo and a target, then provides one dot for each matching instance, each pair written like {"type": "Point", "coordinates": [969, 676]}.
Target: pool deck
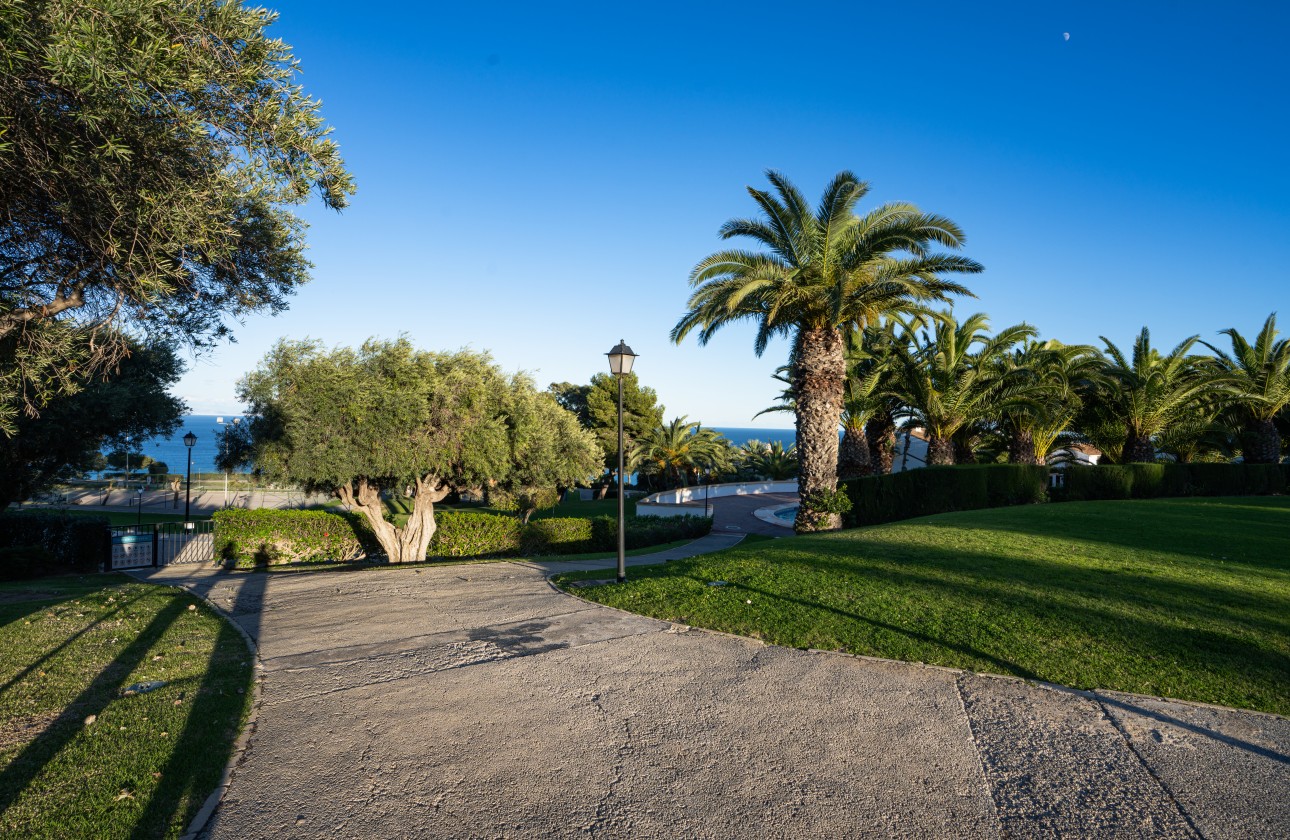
{"type": "Point", "coordinates": [738, 514]}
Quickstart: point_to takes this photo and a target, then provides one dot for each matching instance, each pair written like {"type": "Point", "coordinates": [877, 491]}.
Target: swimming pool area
{"type": "Point", "coordinates": [787, 514]}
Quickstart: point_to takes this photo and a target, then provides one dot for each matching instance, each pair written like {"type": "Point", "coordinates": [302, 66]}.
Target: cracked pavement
{"type": "Point", "coordinates": [477, 701]}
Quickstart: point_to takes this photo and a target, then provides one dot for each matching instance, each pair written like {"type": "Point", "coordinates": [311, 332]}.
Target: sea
{"type": "Point", "coordinates": [207, 429]}
{"type": "Point", "coordinates": [172, 451]}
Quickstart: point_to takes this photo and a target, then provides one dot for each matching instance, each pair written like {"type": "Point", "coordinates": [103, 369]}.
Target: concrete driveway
{"type": "Point", "coordinates": [477, 701]}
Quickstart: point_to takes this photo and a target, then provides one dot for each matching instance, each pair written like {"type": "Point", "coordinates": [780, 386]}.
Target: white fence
{"type": "Point", "coordinates": [680, 502]}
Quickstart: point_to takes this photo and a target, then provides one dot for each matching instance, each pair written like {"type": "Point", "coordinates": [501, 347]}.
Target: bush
{"type": "Point", "coordinates": [1150, 481]}
{"type": "Point", "coordinates": [887, 498]}
{"type": "Point", "coordinates": [265, 537]}
{"type": "Point", "coordinates": [568, 535]}
{"type": "Point", "coordinates": [79, 543]}
{"type": "Point", "coordinates": [475, 535]}
{"type": "Point", "coordinates": [262, 537]}
{"type": "Point", "coordinates": [24, 562]}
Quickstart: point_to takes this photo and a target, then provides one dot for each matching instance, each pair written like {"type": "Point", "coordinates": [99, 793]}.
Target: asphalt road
{"type": "Point", "coordinates": [477, 701]}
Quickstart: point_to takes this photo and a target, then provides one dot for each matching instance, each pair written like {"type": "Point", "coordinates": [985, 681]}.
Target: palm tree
{"type": "Point", "coordinates": [768, 461]}
{"type": "Point", "coordinates": [950, 379]}
{"type": "Point", "coordinates": [677, 449]}
{"type": "Point", "coordinates": [1143, 394]}
{"type": "Point", "coordinates": [1258, 376]}
{"type": "Point", "coordinates": [823, 271]}
{"type": "Point", "coordinates": [1049, 375]}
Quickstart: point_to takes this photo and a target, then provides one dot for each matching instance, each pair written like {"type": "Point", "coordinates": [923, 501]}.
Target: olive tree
{"type": "Point", "coordinates": [150, 152]}
{"type": "Point", "coordinates": [389, 418]}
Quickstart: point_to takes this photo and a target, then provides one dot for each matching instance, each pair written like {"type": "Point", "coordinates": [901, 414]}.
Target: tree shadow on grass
{"type": "Point", "coordinates": [104, 688]}
{"type": "Point", "coordinates": [186, 782]}
{"type": "Point", "coordinates": [1052, 618]}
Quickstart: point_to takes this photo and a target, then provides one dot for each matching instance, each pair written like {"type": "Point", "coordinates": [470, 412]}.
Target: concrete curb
{"type": "Point", "coordinates": [204, 814]}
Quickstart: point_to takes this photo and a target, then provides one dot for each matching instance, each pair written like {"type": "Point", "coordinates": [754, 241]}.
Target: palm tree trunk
{"type": "Point", "coordinates": [1021, 447]}
{"type": "Point", "coordinates": [853, 457]}
{"type": "Point", "coordinates": [1262, 442]}
{"type": "Point", "coordinates": [880, 432]}
{"type": "Point", "coordinates": [940, 452]}
{"type": "Point", "coordinates": [819, 377]}
{"type": "Point", "coordinates": [963, 453]}
{"type": "Point", "coordinates": [1138, 449]}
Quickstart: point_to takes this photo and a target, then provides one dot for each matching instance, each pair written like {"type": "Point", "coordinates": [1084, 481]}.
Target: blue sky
{"type": "Point", "coordinates": [538, 180]}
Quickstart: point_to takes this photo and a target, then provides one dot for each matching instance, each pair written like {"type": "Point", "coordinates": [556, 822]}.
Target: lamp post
{"type": "Point", "coordinates": [190, 440]}
{"type": "Point", "coordinates": [138, 522]}
{"type": "Point", "coordinates": [224, 449]}
{"type": "Point", "coordinates": [620, 364]}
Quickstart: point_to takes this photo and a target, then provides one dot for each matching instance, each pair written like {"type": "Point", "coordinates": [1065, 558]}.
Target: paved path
{"type": "Point", "coordinates": [734, 514]}
{"type": "Point", "coordinates": [478, 701]}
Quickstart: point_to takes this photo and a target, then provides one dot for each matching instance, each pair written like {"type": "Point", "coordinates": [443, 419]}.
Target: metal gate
{"type": "Point", "coordinates": [139, 546]}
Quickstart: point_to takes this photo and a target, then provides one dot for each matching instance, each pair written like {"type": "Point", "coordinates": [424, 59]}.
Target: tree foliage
{"type": "Point", "coordinates": [150, 151]}
{"type": "Point", "coordinates": [388, 418]}
{"type": "Point", "coordinates": [69, 434]}
{"type": "Point", "coordinates": [596, 407]}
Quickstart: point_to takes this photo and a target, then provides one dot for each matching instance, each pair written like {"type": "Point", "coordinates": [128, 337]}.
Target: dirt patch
{"type": "Point", "coordinates": [18, 731]}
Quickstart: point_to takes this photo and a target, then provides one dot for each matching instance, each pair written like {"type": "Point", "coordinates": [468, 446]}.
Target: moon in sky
{"type": "Point", "coordinates": [1066, 36]}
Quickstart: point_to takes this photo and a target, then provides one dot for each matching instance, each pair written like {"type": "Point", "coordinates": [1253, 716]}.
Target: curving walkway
{"type": "Point", "coordinates": [478, 701]}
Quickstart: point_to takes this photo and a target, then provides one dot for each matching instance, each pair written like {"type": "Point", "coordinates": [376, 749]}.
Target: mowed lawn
{"type": "Point", "coordinates": [1183, 598]}
{"type": "Point", "coordinates": [81, 755]}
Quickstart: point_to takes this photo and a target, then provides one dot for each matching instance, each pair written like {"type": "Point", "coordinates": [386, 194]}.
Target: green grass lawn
{"type": "Point", "coordinates": [79, 757]}
{"type": "Point", "coordinates": [1184, 598]}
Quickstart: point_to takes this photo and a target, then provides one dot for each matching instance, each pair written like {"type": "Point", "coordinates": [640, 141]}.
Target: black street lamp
{"type": "Point", "coordinates": [190, 440]}
{"type": "Point", "coordinates": [620, 364]}
{"type": "Point", "coordinates": [138, 522]}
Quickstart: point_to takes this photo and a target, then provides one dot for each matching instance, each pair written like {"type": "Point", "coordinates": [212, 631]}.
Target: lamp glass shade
{"type": "Point", "coordinates": [620, 359]}
{"type": "Point", "coordinates": [190, 440]}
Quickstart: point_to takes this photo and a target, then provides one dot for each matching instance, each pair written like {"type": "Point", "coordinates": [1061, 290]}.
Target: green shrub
{"type": "Point", "coordinates": [1084, 484]}
{"type": "Point", "coordinates": [1149, 481]}
{"type": "Point", "coordinates": [475, 535]}
{"type": "Point", "coordinates": [567, 535]}
{"type": "Point", "coordinates": [265, 536]}
{"type": "Point", "coordinates": [922, 492]}
{"type": "Point", "coordinates": [77, 542]}
{"type": "Point", "coordinates": [24, 562]}
{"type": "Point", "coordinates": [1015, 484]}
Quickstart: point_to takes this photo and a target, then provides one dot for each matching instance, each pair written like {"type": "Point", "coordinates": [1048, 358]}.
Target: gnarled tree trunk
{"type": "Point", "coordinates": [818, 380]}
{"type": "Point", "coordinates": [853, 457]}
{"type": "Point", "coordinates": [940, 451]}
{"type": "Point", "coordinates": [1261, 442]}
{"type": "Point", "coordinates": [880, 432]}
{"type": "Point", "coordinates": [401, 545]}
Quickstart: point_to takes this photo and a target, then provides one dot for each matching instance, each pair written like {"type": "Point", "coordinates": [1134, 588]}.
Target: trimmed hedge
{"type": "Point", "coordinates": [24, 562]}
{"type": "Point", "coordinates": [264, 536]}
{"type": "Point", "coordinates": [888, 498]}
{"type": "Point", "coordinates": [1152, 481]}
{"type": "Point", "coordinates": [461, 534]}
{"type": "Point", "coordinates": [248, 538]}
{"type": "Point", "coordinates": [73, 543]}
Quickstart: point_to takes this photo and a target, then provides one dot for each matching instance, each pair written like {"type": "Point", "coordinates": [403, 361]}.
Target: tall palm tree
{"type": "Point", "coordinates": [823, 270]}
{"type": "Point", "coordinates": [1258, 375]}
{"type": "Point", "coordinates": [950, 379]}
{"type": "Point", "coordinates": [1144, 393]}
